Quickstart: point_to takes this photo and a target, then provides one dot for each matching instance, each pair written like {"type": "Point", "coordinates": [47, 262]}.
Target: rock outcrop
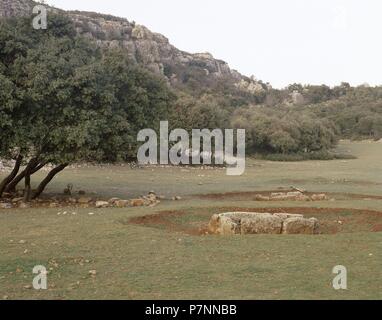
{"type": "Point", "coordinates": [149, 49]}
{"type": "Point", "coordinates": [16, 8]}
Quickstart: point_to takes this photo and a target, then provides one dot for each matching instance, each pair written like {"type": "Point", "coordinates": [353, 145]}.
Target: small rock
{"type": "Point", "coordinates": [112, 201]}
{"type": "Point", "coordinates": [121, 203]}
{"type": "Point", "coordinates": [319, 197]}
{"type": "Point", "coordinates": [91, 213]}
{"type": "Point", "coordinates": [154, 204]}
{"type": "Point", "coordinates": [259, 197]}
{"type": "Point", "coordinates": [5, 297]}
{"type": "Point", "coordinates": [102, 204]}
{"type": "Point", "coordinates": [5, 205]}
{"type": "Point", "coordinates": [93, 273]}
{"type": "Point", "coordinates": [28, 287]}
{"type": "Point", "coordinates": [81, 192]}
{"type": "Point", "coordinates": [72, 200]}
{"type": "Point", "coordinates": [137, 202]}
{"type": "Point", "coordinates": [24, 205]}
{"type": "Point", "coordinates": [84, 200]}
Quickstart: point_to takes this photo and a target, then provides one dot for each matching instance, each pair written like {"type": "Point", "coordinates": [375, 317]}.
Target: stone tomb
{"type": "Point", "coordinates": [231, 223]}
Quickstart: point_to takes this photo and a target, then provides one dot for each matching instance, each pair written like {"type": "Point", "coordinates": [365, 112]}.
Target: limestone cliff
{"type": "Point", "coordinates": [150, 49]}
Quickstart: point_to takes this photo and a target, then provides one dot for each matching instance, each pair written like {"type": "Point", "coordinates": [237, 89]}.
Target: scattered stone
{"type": "Point", "coordinates": [113, 201]}
{"type": "Point", "coordinates": [93, 273]}
{"type": "Point", "coordinates": [5, 205]}
{"type": "Point", "coordinates": [53, 205]}
{"type": "Point", "coordinates": [102, 204]}
{"type": "Point", "coordinates": [319, 197]}
{"type": "Point", "coordinates": [72, 200]}
{"type": "Point", "coordinates": [155, 203]}
{"type": "Point", "coordinates": [5, 297]}
{"type": "Point", "coordinates": [277, 194]}
{"type": "Point", "coordinates": [84, 200]}
{"type": "Point", "coordinates": [137, 202]}
{"type": "Point", "coordinates": [15, 200]}
{"type": "Point", "coordinates": [91, 213]}
{"type": "Point", "coordinates": [290, 196]}
{"type": "Point", "coordinates": [298, 189]}
{"type": "Point", "coordinates": [28, 287]}
{"type": "Point", "coordinates": [259, 197]}
{"type": "Point", "coordinates": [24, 205]}
{"type": "Point", "coordinates": [121, 203]}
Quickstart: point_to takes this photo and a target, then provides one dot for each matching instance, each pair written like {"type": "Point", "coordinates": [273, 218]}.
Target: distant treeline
{"type": "Point", "coordinates": [296, 120]}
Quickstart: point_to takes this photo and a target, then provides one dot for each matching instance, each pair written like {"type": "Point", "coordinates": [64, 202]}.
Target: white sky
{"type": "Point", "coordinates": [280, 41]}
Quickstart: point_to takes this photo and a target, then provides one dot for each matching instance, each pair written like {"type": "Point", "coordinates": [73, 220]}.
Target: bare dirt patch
{"type": "Point", "coordinates": [332, 220]}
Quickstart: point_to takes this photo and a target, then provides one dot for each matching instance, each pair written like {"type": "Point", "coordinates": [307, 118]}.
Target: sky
{"type": "Point", "coordinates": [277, 41]}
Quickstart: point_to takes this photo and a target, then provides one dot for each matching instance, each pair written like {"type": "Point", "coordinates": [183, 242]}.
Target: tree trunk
{"type": "Point", "coordinates": [11, 176]}
{"type": "Point", "coordinates": [28, 171]}
{"type": "Point", "coordinates": [11, 187]}
{"type": "Point", "coordinates": [40, 189]}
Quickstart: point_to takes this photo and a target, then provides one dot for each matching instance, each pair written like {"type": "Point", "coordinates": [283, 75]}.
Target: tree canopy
{"type": "Point", "coordinates": [63, 100]}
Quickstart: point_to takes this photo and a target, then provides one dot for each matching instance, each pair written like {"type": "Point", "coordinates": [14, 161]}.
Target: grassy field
{"type": "Point", "coordinates": [161, 259]}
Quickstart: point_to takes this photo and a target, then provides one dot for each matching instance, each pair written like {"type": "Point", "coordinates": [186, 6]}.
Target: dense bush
{"type": "Point", "coordinates": [284, 131]}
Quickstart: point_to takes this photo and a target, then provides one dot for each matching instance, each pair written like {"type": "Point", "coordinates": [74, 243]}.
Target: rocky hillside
{"type": "Point", "coordinates": [14, 8]}
{"type": "Point", "coordinates": [150, 49]}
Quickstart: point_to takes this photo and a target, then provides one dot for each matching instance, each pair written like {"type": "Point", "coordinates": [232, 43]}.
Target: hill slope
{"type": "Point", "coordinates": [150, 49]}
